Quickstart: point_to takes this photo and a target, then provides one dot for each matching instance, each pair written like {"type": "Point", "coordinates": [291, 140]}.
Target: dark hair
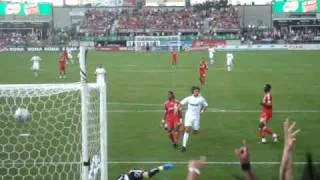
{"type": "Point", "coordinates": [171, 93]}
{"type": "Point", "coordinates": [267, 87]}
{"type": "Point", "coordinates": [194, 88]}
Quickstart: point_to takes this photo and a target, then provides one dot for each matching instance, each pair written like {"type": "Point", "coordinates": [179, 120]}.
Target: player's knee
{"type": "Point", "coordinates": [196, 132]}
{"type": "Point", "coordinates": [169, 130]}
{"type": "Point", "coordinates": [187, 129]}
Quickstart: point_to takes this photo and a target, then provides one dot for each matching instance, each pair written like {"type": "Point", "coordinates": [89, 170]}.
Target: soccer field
{"type": "Point", "coordinates": [137, 88]}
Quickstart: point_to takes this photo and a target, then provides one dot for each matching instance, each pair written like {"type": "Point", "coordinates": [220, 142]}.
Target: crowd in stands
{"type": "Point", "coordinates": [131, 19]}
{"type": "Point", "coordinates": [284, 34]}
{"type": "Point", "coordinates": [161, 20]}
{"type": "Point", "coordinates": [17, 38]}
{"type": "Point", "coordinates": [97, 22]}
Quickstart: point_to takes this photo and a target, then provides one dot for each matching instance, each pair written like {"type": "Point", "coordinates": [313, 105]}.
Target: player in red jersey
{"type": "Point", "coordinates": [174, 55]}
{"type": "Point", "coordinates": [266, 115]}
{"type": "Point", "coordinates": [203, 72]}
{"type": "Point", "coordinates": [172, 118]}
{"type": "Point", "coordinates": [62, 65]}
{"type": "Point", "coordinates": [65, 53]}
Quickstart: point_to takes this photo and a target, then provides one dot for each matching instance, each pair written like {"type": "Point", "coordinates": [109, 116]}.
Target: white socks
{"type": "Point", "coordinates": [185, 139]}
{"type": "Point", "coordinates": [211, 61]}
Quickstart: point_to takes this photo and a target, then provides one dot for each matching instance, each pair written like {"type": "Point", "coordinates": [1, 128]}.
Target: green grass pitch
{"type": "Point", "coordinates": [138, 85]}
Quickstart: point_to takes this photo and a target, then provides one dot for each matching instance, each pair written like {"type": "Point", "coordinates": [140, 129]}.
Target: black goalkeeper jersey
{"type": "Point", "coordinates": [134, 174]}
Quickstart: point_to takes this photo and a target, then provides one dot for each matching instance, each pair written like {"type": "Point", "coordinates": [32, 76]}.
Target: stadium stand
{"type": "Point", "coordinates": [186, 20]}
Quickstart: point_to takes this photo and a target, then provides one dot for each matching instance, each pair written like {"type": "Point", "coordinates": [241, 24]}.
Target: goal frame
{"type": "Point", "coordinates": [84, 90]}
{"type": "Point", "coordinates": [84, 126]}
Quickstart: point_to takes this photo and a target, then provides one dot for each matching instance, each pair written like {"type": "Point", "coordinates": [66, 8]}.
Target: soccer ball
{"type": "Point", "coordinates": [22, 114]}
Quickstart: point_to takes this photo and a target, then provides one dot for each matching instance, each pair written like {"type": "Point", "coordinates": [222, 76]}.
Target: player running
{"type": "Point", "coordinates": [140, 174]}
{"type": "Point", "coordinates": [174, 55]}
{"type": "Point", "coordinates": [62, 65]}
{"type": "Point", "coordinates": [196, 105]}
{"type": "Point", "coordinates": [35, 65]}
{"type": "Point", "coordinates": [100, 74]}
{"type": "Point", "coordinates": [229, 57]}
{"type": "Point", "coordinates": [212, 52]}
{"type": "Point", "coordinates": [172, 118]}
{"type": "Point", "coordinates": [266, 115]}
{"type": "Point", "coordinates": [203, 68]}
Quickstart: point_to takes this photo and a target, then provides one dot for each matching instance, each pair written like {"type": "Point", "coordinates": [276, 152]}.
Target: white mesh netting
{"type": "Point", "coordinates": [48, 145]}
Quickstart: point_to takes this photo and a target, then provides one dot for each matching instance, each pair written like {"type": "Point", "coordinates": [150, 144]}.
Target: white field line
{"type": "Point", "coordinates": [157, 162]}
{"type": "Point", "coordinates": [209, 162]}
{"type": "Point", "coordinates": [216, 111]}
{"type": "Point", "coordinates": [212, 110]}
{"type": "Point", "coordinates": [134, 104]}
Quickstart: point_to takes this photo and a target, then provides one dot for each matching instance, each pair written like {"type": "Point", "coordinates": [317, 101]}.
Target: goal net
{"type": "Point", "coordinates": [62, 137]}
{"type": "Point", "coordinates": [157, 43]}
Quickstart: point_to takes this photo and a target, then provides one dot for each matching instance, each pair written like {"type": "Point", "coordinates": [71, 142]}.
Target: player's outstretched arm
{"type": "Point", "coordinates": [151, 172]}
{"type": "Point", "coordinates": [243, 154]}
{"type": "Point", "coordinates": [194, 167]}
{"type": "Point", "coordinates": [285, 172]}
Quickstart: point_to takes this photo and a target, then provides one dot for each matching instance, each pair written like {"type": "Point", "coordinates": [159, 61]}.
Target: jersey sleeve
{"type": "Point", "coordinates": [184, 101]}
{"type": "Point", "coordinates": [204, 102]}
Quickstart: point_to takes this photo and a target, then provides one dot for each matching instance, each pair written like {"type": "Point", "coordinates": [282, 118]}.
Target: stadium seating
{"type": "Point", "coordinates": [98, 22]}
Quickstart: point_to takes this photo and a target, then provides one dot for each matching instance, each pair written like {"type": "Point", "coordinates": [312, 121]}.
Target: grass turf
{"type": "Point", "coordinates": [137, 86]}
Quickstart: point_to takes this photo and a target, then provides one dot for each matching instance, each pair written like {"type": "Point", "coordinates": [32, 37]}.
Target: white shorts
{"type": "Point", "coordinates": [193, 122]}
{"type": "Point", "coordinates": [100, 81]}
{"type": "Point", "coordinates": [229, 63]}
{"type": "Point", "coordinates": [35, 66]}
{"type": "Point", "coordinates": [69, 56]}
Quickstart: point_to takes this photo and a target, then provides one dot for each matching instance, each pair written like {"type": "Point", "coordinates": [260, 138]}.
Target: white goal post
{"type": "Point", "coordinates": [157, 43]}
{"type": "Point", "coordinates": [65, 136]}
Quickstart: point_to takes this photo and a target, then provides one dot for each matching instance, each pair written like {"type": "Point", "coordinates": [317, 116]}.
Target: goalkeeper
{"type": "Point", "coordinates": [140, 174]}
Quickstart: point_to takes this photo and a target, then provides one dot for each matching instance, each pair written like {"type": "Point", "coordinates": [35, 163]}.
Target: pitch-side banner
{"type": "Point", "coordinates": [296, 6]}
{"type": "Point", "coordinates": [25, 9]}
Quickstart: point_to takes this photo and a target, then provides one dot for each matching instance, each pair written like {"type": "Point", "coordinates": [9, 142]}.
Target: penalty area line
{"type": "Point", "coordinates": [209, 162]}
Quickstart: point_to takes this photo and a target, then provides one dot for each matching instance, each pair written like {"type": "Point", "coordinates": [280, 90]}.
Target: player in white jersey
{"type": "Point", "coordinates": [229, 57]}
{"type": "Point", "coordinates": [35, 64]}
{"type": "Point", "coordinates": [70, 55]}
{"type": "Point", "coordinates": [100, 74]}
{"type": "Point", "coordinates": [196, 105]}
{"type": "Point", "coordinates": [212, 52]}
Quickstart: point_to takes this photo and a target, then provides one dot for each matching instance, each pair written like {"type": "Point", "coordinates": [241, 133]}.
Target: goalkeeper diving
{"type": "Point", "coordinates": [140, 174]}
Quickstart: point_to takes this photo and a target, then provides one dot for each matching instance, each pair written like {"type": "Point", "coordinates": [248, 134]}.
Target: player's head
{"type": "Point", "coordinates": [99, 65]}
{"type": "Point", "coordinates": [171, 95]}
{"type": "Point", "coordinates": [267, 88]}
{"type": "Point", "coordinates": [195, 90]}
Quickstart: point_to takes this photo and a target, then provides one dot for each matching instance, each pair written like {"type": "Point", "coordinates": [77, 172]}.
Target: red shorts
{"type": "Point", "coordinates": [172, 123]}
{"type": "Point", "coordinates": [202, 75]}
{"type": "Point", "coordinates": [266, 115]}
{"type": "Point", "coordinates": [62, 67]}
